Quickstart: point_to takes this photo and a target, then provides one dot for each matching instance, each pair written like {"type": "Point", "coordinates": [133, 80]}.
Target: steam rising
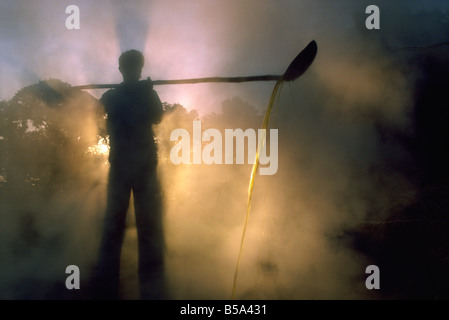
{"type": "Point", "coordinates": [334, 163]}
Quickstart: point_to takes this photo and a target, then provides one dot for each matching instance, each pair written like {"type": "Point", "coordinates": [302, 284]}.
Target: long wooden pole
{"type": "Point", "coordinates": [189, 81]}
{"type": "Point", "coordinates": [296, 68]}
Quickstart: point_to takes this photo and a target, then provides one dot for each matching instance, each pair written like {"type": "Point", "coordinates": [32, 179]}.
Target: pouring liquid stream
{"type": "Point", "coordinates": [261, 145]}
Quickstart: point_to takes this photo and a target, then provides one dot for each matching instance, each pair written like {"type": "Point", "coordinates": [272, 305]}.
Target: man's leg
{"type": "Point", "coordinates": [107, 277]}
{"type": "Point", "coordinates": [148, 209]}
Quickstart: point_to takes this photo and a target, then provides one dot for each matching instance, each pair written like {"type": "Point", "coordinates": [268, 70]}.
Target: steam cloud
{"type": "Point", "coordinates": [335, 162]}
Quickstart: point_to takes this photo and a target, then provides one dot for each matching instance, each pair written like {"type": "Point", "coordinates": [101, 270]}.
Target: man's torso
{"type": "Point", "coordinates": [131, 110]}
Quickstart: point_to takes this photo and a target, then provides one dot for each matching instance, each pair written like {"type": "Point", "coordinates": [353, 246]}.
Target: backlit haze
{"type": "Point", "coordinates": [342, 156]}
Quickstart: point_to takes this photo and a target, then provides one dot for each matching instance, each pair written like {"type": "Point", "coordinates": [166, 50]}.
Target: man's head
{"type": "Point", "coordinates": [130, 65]}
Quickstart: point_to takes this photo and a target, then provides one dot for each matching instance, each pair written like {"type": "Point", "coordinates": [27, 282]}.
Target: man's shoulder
{"type": "Point", "coordinates": [109, 93]}
{"type": "Point", "coordinates": [108, 96]}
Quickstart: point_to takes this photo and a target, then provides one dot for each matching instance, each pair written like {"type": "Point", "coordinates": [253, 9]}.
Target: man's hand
{"type": "Point", "coordinates": [149, 83]}
{"type": "Point", "coordinates": [146, 85]}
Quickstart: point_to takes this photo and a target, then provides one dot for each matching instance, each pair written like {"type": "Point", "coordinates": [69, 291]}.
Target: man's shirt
{"type": "Point", "coordinates": [131, 111]}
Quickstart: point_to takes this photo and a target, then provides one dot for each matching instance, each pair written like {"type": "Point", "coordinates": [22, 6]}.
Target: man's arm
{"type": "Point", "coordinates": [155, 103]}
{"type": "Point", "coordinates": [157, 107]}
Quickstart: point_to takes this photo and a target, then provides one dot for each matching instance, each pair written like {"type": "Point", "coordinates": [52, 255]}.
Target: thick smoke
{"type": "Point", "coordinates": [344, 152]}
{"type": "Point", "coordinates": [52, 190]}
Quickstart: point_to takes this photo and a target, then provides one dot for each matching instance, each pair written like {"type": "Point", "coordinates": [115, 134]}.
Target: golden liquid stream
{"type": "Point", "coordinates": [261, 144]}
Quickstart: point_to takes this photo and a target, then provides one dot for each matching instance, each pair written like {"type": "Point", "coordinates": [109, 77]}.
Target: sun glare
{"type": "Point", "coordinates": [101, 148]}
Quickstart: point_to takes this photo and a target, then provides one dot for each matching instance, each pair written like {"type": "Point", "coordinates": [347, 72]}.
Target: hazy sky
{"type": "Point", "coordinates": [180, 39]}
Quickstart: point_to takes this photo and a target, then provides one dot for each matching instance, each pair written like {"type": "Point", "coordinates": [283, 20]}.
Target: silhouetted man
{"type": "Point", "coordinates": [131, 110]}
